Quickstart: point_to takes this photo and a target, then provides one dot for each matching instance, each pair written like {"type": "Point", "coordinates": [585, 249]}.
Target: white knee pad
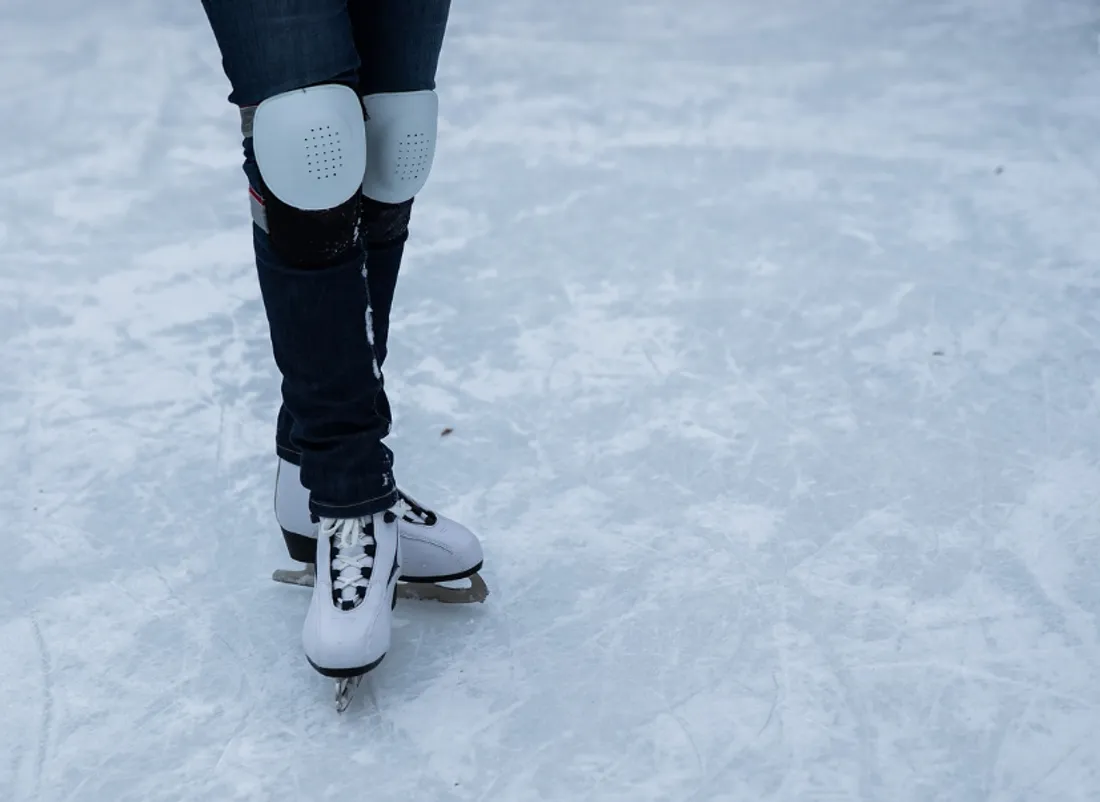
{"type": "Point", "coordinates": [401, 130]}
{"type": "Point", "coordinates": [311, 146]}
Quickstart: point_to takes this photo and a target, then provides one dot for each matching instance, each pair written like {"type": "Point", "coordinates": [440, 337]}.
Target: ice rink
{"type": "Point", "coordinates": [769, 335]}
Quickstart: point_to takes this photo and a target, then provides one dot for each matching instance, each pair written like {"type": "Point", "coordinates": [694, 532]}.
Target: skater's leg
{"type": "Point", "coordinates": [308, 260]}
{"type": "Point", "coordinates": [294, 69]}
{"type": "Point", "coordinates": [399, 43]}
{"type": "Point", "coordinates": [273, 46]}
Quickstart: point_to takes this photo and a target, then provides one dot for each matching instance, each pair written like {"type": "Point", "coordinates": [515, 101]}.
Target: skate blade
{"type": "Point", "coordinates": [304, 576]}
{"type": "Point", "coordinates": [345, 691]}
{"type": "Point", "coordinates": [475, 593]}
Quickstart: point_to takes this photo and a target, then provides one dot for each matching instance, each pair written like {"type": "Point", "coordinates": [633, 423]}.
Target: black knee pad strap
{"type": "Point", "coordinates": [312, 239]}
{"type": "Point", "coordinates": [385, 223]}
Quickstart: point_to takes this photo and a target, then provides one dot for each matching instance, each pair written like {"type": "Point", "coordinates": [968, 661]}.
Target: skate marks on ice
{"type": "Point", "coordinates": [779, 383]}
{"type": "Point", "coordinates": [922, 659]}
{"type": "Point", "coordinates": [773, 403]}
{"type": "Point", "coordinates": [27, 739]}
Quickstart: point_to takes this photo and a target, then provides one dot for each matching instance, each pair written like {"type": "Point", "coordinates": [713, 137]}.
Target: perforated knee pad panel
{"type": "Point", "coordinates": [310, 147]}
{"type": "Point", "coordinates": [401, 132]}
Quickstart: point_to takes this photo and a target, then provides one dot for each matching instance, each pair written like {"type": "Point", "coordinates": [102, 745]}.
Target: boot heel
{"type": "Point", "coordinates": [302, 548]}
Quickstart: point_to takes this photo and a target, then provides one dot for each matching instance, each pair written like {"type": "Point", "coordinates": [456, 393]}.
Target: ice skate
{"type": "Point", "coordinates": [347, 628]}
{"type": "Point", "coordinates": [434, 549]}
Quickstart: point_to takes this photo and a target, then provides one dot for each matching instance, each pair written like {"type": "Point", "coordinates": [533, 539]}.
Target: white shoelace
{"type": "Point", "coordinates": [350, 540]}
{"type": "Point", "coordinates": [401, 509]}
{"type": "Point", "coordinates": [412, 511]}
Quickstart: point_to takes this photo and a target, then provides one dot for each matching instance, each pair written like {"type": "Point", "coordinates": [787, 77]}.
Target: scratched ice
{"type": "Point", "coordinates": [768, 333]}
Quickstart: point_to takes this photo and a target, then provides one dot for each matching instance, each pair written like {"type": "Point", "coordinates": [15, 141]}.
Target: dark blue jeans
{"type": "Point", "coordinates": [335, 415]}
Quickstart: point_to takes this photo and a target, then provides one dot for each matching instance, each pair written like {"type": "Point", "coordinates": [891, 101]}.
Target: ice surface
{"type": "Point", "coordinates": [768, 331]}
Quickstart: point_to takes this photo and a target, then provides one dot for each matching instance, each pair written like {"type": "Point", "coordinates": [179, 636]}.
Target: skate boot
{"type": "Point", "coordinates": [347, 628]}
{"type": "Point", "coordinates": [434, 549]}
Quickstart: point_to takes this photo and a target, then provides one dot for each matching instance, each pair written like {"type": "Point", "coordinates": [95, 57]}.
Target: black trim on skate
{"type": "Point", "coordinates": [344, 673]}
{"type": "Point", "coordinates": [431, 580]}
{"type": "Point", "coordinates": [302, 548]}
{"type": "Point", "coordinates": [429, 518]}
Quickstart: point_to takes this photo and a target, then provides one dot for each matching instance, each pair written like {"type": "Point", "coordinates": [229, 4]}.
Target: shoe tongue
{"type": "Point", "coordinates": [349, 534]}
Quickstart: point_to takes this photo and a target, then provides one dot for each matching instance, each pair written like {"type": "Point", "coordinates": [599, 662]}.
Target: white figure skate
{"type": "Point", "coordinates": [347, 628]}
{"type": "Point", "coordinates": [434, 549]}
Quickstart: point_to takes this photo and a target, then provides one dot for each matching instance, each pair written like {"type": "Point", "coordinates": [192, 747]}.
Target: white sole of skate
{"type": "Point", "coordinates": [347, 682]}
{"type": "Point", "coordinates": [475, 593]}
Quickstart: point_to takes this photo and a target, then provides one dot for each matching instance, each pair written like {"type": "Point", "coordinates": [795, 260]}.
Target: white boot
{"type": "Point", "coordinates": [433, 548]}
{"type": "Point", "coordinates": [347, 627]}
